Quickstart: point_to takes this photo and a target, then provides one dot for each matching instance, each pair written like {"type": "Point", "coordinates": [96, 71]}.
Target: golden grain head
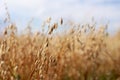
{"type": "Point", "coordinates": [48, 20]}
{"type": "Point", "coordinates": [61, 21]}
{"type": "Point", "coordinates": [5, 32]}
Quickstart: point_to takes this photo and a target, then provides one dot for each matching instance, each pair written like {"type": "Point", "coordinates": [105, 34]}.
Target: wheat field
{"type": "Point", "coordinates": [81, 53]}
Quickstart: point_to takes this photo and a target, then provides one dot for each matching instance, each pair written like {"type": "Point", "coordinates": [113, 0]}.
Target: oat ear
{"type": "Point", "coordinates": [61, 21]}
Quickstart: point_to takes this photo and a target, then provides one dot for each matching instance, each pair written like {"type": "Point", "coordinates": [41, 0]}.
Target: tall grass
{"type": "Point", "coordinates": [82, 53]}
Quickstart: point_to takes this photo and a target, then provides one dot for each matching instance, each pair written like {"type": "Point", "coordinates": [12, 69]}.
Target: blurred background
{"type": "Point", "coordinates": [82, 11]}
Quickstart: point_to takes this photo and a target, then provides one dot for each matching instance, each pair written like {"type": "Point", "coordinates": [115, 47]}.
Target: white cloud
{"type": "Point", "coordinates": [43, 8]}
{"type": "Point", "coordinates": [74, 9]}
{"type": "Point", "coordinates": [25, 3]}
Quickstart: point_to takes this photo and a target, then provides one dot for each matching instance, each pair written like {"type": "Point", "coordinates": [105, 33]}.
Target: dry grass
{"type": "Point", "coordinates": [82, 53]}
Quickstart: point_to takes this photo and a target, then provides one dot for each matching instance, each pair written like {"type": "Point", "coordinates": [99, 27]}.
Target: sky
{"type": "Point", "coordinates": [82, 11]}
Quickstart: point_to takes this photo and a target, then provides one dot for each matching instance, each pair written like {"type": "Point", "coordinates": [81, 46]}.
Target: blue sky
{"type": "Point", "coordinates": [82, 11]}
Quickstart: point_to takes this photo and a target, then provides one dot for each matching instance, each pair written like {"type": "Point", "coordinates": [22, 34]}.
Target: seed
{"type": "Point", "coordinates": [61, 21]}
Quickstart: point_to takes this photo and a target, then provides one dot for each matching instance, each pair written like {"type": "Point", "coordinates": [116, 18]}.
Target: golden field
{"type": "Point", "coordinates": [81, 53]}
